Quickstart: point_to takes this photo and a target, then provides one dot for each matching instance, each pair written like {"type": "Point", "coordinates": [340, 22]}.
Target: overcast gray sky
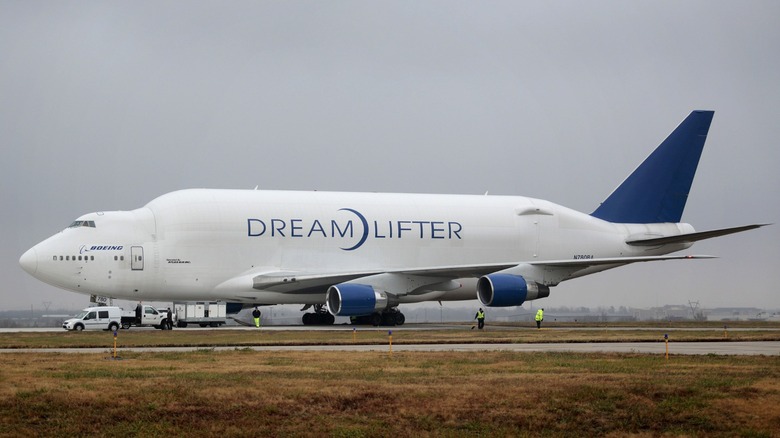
{"type": "Point", "coordinates": [107, 105]}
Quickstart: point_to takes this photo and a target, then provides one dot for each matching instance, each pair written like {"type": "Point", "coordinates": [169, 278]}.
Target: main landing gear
{"type": "Point", "coordinates": [389, 317]}
{"type": "Point", "coordinates": [319, 317]}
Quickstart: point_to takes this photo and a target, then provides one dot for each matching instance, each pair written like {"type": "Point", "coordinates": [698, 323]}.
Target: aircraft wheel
{"type": "Point", "coordinates": [400, 319]}
{"type": "Point", "coordinates": [376, 319]}
{"type": "Point", "coordinates": [306, 319]}
{"type": "Point", "coordinates": [330, 319]}
{"type": "Point", "coordinates": [388, 319]}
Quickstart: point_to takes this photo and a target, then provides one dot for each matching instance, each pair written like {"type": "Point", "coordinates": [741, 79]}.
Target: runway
{"type": "Point", "coordinates": [768, 348]}
{"type": "Point", "coordinates": [340, 327]}
{"type": "Point", "coordinates": [407, 327]}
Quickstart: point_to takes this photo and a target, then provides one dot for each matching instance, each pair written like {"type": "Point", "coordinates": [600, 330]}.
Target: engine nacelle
{"type": "Point", "coordinates": [233, 308]}
{"type": "Point", "coordinates": [349, 299]}
{"type": "Point", "coordinates": [503, 290]}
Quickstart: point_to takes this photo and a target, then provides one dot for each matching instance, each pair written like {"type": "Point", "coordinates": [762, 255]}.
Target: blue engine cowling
{"type": "Point", "coordinates": [503, 290]}
{"type": "Point", "coordinates": [350, 299]}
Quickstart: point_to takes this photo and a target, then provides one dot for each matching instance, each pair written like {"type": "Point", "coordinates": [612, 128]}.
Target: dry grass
{"type": "Point", "coordinates": [341, 394]}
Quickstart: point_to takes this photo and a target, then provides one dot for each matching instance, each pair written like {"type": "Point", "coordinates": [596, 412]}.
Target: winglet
{"type": "Point", "coordinates": [657, 190]}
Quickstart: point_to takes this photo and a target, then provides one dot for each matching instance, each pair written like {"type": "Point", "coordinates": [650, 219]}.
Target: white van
{"type": "Point", "coordinates": [103, 318]}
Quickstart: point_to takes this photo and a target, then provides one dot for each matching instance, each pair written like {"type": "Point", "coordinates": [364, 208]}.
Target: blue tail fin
{"type": "Point", "coordinates": [657, 190]}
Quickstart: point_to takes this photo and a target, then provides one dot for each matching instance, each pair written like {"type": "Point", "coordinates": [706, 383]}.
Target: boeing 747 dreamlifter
{"type": "Point", "coordinates": [363, 254]}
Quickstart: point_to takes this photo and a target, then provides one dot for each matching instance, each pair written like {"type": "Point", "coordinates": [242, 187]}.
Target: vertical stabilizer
{"type": "Point", "coordinates": [657, 190]}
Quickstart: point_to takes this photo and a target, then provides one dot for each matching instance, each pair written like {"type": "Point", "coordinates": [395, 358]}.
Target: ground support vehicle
{"type": "Point", "coordinates": [100, 317]}
{"type": "Point", "coordinates": [145, 315]}
{"type": "Point", "coordinates": [203, 313]}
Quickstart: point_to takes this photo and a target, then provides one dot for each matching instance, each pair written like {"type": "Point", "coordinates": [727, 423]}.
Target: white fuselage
{"type": "Point", "coordinates": [205, 244]}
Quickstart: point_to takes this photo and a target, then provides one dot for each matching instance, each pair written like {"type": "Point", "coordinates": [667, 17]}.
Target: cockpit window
{"type": "Point", "coordinates": [76, 224]}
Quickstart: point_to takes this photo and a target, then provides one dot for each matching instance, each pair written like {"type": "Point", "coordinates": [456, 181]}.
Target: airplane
{"type": "Point", "coordinates": [363, 254]}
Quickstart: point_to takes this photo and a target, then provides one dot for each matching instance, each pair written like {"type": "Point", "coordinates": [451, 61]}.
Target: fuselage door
{"type": "Point", "coordinates": [137, 258]}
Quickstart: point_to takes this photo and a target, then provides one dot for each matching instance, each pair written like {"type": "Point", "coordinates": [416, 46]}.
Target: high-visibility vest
{"type": "Point", "coordinates": [480, 315]}
{"type": "Point", "coordinates": [539, 315]}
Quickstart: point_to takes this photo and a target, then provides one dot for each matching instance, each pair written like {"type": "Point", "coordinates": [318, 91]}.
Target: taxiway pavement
{"type": "Point", "coordinates": [767, 348]}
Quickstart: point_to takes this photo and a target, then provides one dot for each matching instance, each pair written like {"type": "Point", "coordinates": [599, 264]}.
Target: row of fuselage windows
{"type": "Point", "coordinates": [82, 258]}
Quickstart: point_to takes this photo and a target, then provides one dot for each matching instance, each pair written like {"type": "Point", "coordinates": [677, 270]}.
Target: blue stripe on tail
{"type": "Point", "coordinates": [657, 190]}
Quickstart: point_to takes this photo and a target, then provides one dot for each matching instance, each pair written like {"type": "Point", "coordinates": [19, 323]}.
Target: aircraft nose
{"type": "Point", "coordinates": [29, 261]}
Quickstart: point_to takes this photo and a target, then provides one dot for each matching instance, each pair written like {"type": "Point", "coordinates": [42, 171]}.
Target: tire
{"type": "Point", "coordinates": [78, 327]}
{"type": "Point", "coordinates": [400, 319]}
{"type": "Point", "coordinates": [113, 327]}
{"type": "Point", "coordinates": [126, 325]}
{"type": "Point", "coordinates": [181, 324]}
{"type": "Point", "coordinates": [203, 324]}
{"type": "Point", "coordinates": [376, 319]}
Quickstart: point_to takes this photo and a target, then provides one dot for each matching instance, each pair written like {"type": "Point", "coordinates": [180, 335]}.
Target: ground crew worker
{"type": "Point", "coordinates": [539, 318]}
{"type": "Point", "coordinates": [170, 319]}
{"type": "Point", "coordinates": [480, 318]}
{"type": "Point", "coordinates": [256, 315]}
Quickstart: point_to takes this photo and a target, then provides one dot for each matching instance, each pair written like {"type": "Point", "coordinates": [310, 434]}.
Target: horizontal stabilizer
{"type": "Point", "coordinates": [692, 237]}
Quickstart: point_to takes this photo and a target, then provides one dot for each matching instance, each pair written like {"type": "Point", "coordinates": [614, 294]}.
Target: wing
{"type": "Point", "coordinates": [413, 279]}
{"type": "Point", "coordinates": [552, 272]}
{"type": "Point", "coordinates": [420, 280]}
{"type": "Point", "coordinates": [620, 261]}
{"type": "Point", "coordinates": [403, 281]}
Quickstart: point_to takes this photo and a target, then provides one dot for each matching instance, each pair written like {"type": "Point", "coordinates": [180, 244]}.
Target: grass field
{"type": "Point", "coordinates": [244, 392]}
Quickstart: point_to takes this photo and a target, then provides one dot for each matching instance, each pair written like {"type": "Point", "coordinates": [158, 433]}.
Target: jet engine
{"type": "Point", "coordinates": [233, 308]}
{"type": "Point", "coordinates": [350, 299]}
{"type": "Point", "coordinates": [503, 290]}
